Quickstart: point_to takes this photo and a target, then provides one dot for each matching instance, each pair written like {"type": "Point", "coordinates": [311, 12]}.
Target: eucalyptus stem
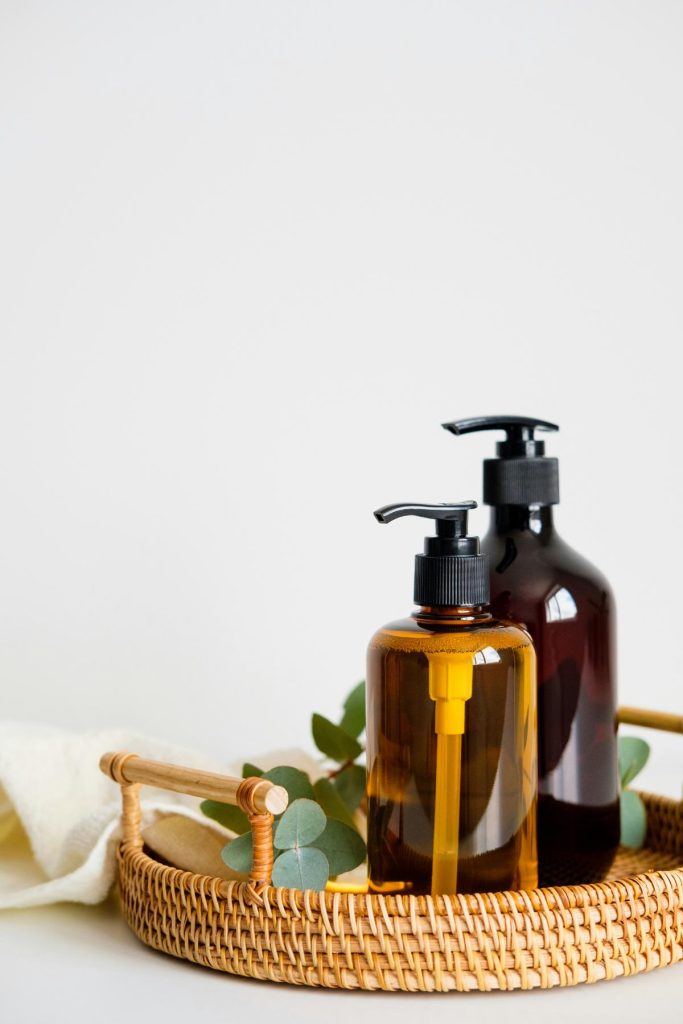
{"type": "Point", "coordinates": [334, 772]}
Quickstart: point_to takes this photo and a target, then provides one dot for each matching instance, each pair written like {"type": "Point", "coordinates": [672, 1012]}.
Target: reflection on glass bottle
{"type": "Point", "coordinates": [560, 605]}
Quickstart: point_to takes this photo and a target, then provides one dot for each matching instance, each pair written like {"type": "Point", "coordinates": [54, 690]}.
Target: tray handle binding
{"type": "Point", "coordinates": [259, 799]}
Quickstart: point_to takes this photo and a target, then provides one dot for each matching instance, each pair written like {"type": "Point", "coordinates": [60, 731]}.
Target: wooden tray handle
{"type": "Point", "coordinates": [650, 719]}
{"type": "Point", "coordinates": [259, 799]}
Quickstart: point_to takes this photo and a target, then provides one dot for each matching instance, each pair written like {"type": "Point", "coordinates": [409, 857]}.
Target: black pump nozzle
{"type": "Point", "coordinates": [451, 572]}
{"type": "Point", "coordinates": [521, 475]}
{"type": "Point", "coordinates": [520, 442]}
{"type": "Point", "coordinates": [451, 520]}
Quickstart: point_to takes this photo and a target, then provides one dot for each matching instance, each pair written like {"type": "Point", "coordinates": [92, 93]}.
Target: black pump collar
{"type": "Point", "coordinates": [522, 474]}
{"type": "Point", "coordinates": [452, 572]}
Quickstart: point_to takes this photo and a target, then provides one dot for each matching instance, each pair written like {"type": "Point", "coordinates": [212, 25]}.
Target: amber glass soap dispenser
{"type": "Point", "coordinates": [567, 606]}
{"type": "Point", "coordinates": [451, 729]}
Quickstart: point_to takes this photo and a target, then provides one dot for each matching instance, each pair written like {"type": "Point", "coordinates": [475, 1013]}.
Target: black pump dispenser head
{"type": "Point", "coordinates": [452, 572]}
{"type": "Point", "coordinates": [522, 474]}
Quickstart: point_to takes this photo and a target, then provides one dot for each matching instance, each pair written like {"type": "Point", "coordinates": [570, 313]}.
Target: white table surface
{"type": "Point", "coordinates": [78, 964]}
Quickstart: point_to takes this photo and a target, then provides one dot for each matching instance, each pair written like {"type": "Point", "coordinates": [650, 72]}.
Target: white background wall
{"type": "Point", "coordinates": [252, 255]}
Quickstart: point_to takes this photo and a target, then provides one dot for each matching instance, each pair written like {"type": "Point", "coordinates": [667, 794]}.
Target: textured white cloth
{"type": "Point", "coordinates": [59, 815]}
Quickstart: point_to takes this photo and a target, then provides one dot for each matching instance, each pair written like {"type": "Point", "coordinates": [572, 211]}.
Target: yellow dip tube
{"type": "Point", "coordinates": [450, 685]}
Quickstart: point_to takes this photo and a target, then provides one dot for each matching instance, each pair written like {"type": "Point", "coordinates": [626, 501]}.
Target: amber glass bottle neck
{"type": "Point", "coordinates": [437, 613]}
{"type": "Point", "coordinates": [537, 519]}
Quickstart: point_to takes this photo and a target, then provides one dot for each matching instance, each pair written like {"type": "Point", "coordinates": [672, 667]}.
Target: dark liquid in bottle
{"type": "Point", "coordinates": [566, 605]}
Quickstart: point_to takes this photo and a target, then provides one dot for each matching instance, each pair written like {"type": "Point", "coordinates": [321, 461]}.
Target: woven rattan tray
{"type": "Point", "coordinates": [630, 922]}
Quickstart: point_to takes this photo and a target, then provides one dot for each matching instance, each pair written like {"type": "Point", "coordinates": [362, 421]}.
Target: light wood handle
{"type": "Point", "coordinates": [265, 797]}
{"type": "Point", "coordinates": [258, 798]}
{"type": "Point", "coordinates": [662, 720]}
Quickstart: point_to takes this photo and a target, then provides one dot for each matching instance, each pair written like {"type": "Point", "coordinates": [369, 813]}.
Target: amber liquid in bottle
{"type": "Point", "coordinates": [496, 760]}
{"type": "Point", "coordinates": [567, 606]}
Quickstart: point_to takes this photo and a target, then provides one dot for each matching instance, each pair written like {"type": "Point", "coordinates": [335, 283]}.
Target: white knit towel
{"type": "Point", "coordinates": [59, 815]}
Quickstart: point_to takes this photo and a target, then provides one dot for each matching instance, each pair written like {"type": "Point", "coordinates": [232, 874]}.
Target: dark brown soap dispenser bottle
{"type": "Point", "coordinates": [451, 729]}
{"type": "Point", "coordinates": [568, 608]}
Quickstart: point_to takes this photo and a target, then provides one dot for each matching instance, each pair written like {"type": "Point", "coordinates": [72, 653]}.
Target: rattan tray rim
{"type": "Point", "coordinates": [555, 936]}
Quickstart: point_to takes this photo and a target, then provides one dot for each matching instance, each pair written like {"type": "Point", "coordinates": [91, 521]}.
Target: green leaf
{"type": "Point", "coordinates": [633, 755]}
{"type": "Point", "coordinates": [302, 868]}
{"type": "Point", "coordinates": [239, 853]}
{"type": "Point", "coordinates": [228, 815]}
{"type": "Point", "coordinates": [353, 721]}
{"type": "Point", "coordinates": [350, 784]}
{"type": "Point", "coordinates": [633, 819]}
{"type": "Point", "coordinates": [250, 771]}
{"type": "Point", "coordinates": [296, 782]}
{"type": "Point", "coordinates": [331, 802]}
{"type": "Point", "coordinates": [342, 846]}
{"type": "Point", "coordinates": [302, 822]}
{"type": "Point", "coordinates": [333, 741]}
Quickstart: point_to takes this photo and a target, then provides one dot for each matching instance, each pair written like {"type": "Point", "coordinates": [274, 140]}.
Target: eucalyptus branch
{"type": "Point", "coordinates": [317, 835]}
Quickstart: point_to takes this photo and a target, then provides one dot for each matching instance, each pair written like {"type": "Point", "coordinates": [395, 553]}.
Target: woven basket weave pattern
{"type": "Point", "coordinates": [508, 940]}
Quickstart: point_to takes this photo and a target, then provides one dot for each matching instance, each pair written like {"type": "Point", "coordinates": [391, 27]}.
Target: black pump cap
{"type": "Point", "coordinates": [452, 572]}
{"type": "Point", "coordinates": [522, 474]}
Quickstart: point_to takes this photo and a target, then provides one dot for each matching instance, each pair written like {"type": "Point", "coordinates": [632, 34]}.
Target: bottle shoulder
{"type": "Point", "coordinates": [550, 559]}
{"type": "Point", "coordinates": [409, 634]}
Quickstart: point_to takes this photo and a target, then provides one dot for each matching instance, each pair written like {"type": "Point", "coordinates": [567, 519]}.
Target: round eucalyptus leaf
{"type": "Point", "coordinates": [303, 868]}
{"type": "Point", "coordinates": [633, 819]}
{"type": "Point", "coordinates": [239, 853]}
{"type": "Point", "coordinates": [334, 741]}
{"type": "Point", "coordinates": [227, 814]}
{"type": "Point", "coordinates": [350, 784]}
{"type": "Point", "coordinates": [633, 755]}
{"type": "Point", "coordinates": [302, 822]}
{"type": "Point", "coordinates": [331, 802]}
{"type": "Point", "coordinates": [342, 846]}
{"type": "Point", "coordinates": [353, 721]}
